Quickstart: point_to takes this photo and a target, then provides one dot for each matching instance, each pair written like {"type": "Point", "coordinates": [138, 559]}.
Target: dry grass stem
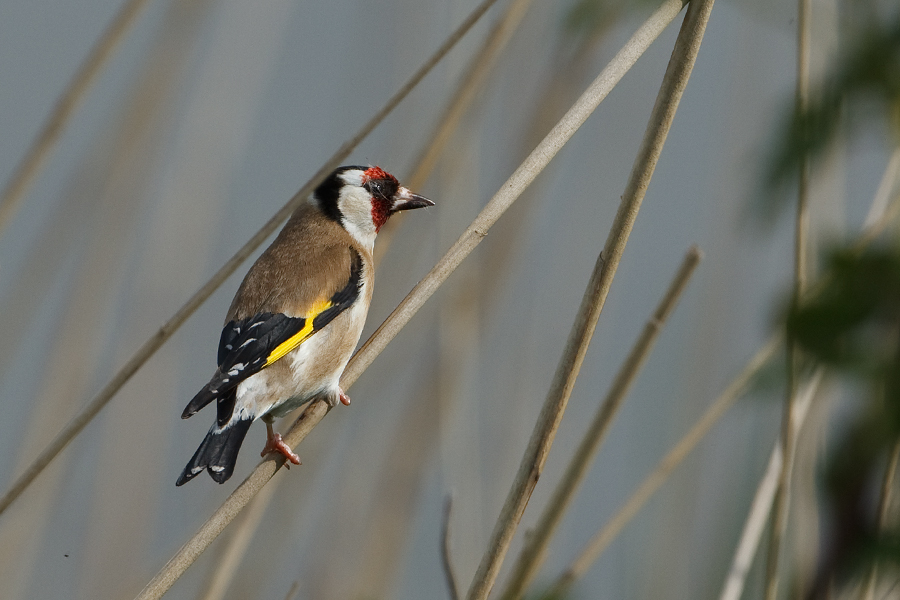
{"type": "Point", "coordinates": [26, 171]}
{"type": "Point", "coordinates": [472, 81]}
{"type": "Point", "coordinates": [884, 504]}
{"type": "Point", "coordinates": [446, 558]}
{"type": "Point", "coordinates": [674, 82]}
{"type": "Point", "coordinates": [783, 492]}
{"type": "Point", "coordinates": [653, 481]}
{"type": "Point", "coordinates": [651, 484]}
{"type": "Point", "coordinates": [292, 593]}
{"type": "Point", "coordinates": [885, 191]}
{"type": "Point", "coordinates": [165, 332]}
{"type": "Point", "coordinates": [227, 566]}
{"type": "Point", "coordinates": [512, 189]}
{"type": "Point", "coordinates": [532, 555]}
{"type": "Point", "coordinates": [761, 507]}
{"type": "Point", "coordinates": [502, 200]}
{"type": "Point", "coordinates": [483, 62]}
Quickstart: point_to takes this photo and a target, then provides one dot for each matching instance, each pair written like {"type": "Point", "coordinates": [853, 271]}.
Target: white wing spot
{"type": "Point", "coordinates": [217, 469]}
{"type": "Point", "coordinates": [236, 369]}
{"type": "Point", "coordinates": [250, 341]}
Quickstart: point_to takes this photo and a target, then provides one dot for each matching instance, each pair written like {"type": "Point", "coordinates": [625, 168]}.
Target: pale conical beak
{"type": "Point", "coordinates": [406, 200]}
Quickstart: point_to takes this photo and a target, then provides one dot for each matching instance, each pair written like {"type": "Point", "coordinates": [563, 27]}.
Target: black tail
{"type": "Point", "coordinates": [218, 452]}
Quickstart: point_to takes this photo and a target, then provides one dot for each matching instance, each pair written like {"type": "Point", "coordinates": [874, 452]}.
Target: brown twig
{"type": "Point", "coordinates": [40, 148]}
{"type": "Point", "coordinates": [783, 493]}
{"type": "Point", "coordinates": [473, 79]}
{"type": "Point", "coordinates": [74, 427]}
{"type": "Point", "coordinates": [532, 554]}
{"type": "Point", "coordinates": [761, 507]}
{"type": "Point", "coordinates": [884, 504]}
{"type": "Point", "coordinates": [227, 565]}
{"type": "Point", "coordinates": [446, 558]}
{"type": "Point", "coordinates": [648, 487]}
{"type": "Point", "coordinates": [292, 592]}
{"type": "Point", "coordinates": [674, 82]}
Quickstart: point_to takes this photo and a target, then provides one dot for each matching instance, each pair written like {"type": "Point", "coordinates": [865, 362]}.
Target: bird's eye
{"type": "Point", "coordinates": [375, 188]}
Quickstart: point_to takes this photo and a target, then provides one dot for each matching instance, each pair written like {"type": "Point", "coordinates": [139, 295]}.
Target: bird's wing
{"type": "Point", "coordinates": [249, 345]}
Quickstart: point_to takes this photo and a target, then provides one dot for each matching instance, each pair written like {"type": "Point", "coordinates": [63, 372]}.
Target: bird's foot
{"type": "Point", "coordinates": [274, 443]}
{"type": "Point", "coordinates": [345, 399]}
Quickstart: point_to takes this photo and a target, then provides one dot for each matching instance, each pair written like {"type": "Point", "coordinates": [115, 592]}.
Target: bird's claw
{"type": "Point", "coordinates": [274, 443]}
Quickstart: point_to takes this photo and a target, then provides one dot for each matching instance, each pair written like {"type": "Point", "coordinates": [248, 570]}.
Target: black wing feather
{"type": "Point", "coordinates": [243, 349]}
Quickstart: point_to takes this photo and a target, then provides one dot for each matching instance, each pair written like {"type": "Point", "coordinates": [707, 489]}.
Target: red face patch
{"type": "Point", "coordinates": [381, 210]}
{"type": "Point", "coordinates": [382, 185]}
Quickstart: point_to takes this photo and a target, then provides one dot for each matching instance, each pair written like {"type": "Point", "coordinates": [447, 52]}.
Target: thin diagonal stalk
{"type": "Point", "coordinates": [532, 555]}
{"type": "Point", "coordinates": [292, 592]}
{"type": "Point", "coordinates": [514, 186]}
{"type": "Point", "coordinates": [677, 74]}
{"type": "Point", "coordinates": [475, 75]}
{"type": "Point", "coordinates": [482, 63]}
{"type": "Point", "coordinates": [26, 171]}
{"type": "Point", "coordinates": [653, 481]}
{"type": "Point", "coordinates": [228, 564]}
{"type": "Point", "coordinates": [651, 484]}
{"type": "Point", "coordinates": [446, 558]}
{"type": "Point", "coordinates": [761, 507]}
{"type": "Point", "coordinates": [882, 212]}
{"type": "Point", "coordinates": [494, 209]}
{"type": "Point", "coordinates": [884, 504]}
{"type": "Point", "coordinates": [885, 189]}
{"type": "Point", "coordinates": [783, 493]}
{"type": "Point", "coordinates": [171, 326]}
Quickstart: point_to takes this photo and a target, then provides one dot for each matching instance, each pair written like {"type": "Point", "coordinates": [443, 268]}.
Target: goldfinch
{"type": "Point", "coordinates": [297, 316]}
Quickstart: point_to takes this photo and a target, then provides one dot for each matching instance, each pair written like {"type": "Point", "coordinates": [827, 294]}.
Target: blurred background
{"type": "Point", "coordinates": [211, 115]}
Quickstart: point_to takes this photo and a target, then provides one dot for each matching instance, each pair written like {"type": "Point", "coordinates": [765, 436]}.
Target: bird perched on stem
{"type": "Point", "coordinates": [297, 316]}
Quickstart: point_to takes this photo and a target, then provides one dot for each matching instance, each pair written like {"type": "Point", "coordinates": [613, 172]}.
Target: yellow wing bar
{"type": "Point", "coordinates": [298, 338]}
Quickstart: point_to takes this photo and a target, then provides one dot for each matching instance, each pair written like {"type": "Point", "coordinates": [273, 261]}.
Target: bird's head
{"type": "Point", "coordinates": [362, 199]}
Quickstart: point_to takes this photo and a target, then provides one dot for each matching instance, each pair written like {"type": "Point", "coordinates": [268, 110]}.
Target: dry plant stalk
{"type": "Point", "coordinates": [648, 487]}
{"type": "Point", "coordinates": [446, 562]}
{"type": "Point", "coordinates": [783, 493]}
{"type": "Point", "coordinates": [76, 425]}
{"type": "Point", "coordinates": [674, 81]}
{"type": "Point", "coordinates": [476, 74]}
{"type": "Point", "coordinates": [882, 211]}
{"type": "Point", "coordinates": [502, 200]}
{"type": "Point", "coordinates": [874, 228]}
{"type": "Point", "coordinates": [884, 505]}
{"type": "Point", "coordinates": [474, 77]}
{"type": "Point", "coordinates": [885, 190]}
{"type": "Point", "coordinates": [758, 515]}
{"type": "Point", "coordinates": [227, 566]}
{"type": "Point", "coordinates": [26, 171]}
{"type": "Point", "coordinates": [533, 553]}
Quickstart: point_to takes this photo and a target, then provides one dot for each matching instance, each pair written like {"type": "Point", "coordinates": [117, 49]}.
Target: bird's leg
{"type": "Point", "coordinates": [345, 399]}
{"type": "Point", "coordinates": [274, 443]}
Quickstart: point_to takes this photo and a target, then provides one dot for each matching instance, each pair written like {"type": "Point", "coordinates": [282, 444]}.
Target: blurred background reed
{"type": "Point", "coordinates": [210, 114]}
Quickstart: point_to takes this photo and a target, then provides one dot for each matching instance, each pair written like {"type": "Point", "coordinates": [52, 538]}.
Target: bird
{"type": "Point", "coordinates": [297, 316]}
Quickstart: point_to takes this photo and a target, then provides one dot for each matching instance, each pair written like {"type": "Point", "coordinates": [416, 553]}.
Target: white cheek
{"type": "Point", "coordinates": [356, 207]}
